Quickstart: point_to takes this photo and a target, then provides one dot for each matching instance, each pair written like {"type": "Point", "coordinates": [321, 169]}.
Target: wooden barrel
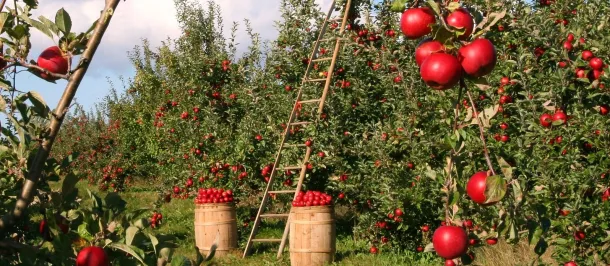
{"type": "Point", "coordinates": [213, 219]}
{"type": "Point", "coordinates": [312, 235]}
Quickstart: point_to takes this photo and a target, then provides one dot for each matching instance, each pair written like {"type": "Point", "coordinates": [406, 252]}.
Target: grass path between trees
{"type": "Point", "coordinates": [178, 221]}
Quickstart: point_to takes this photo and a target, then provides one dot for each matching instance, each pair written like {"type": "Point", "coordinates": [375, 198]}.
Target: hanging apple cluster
{"type": "Point", "coordinates": [439, 66]}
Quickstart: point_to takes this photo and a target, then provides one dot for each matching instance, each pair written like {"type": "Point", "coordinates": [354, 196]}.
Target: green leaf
{"type": "Point", "coordinates": [517, 191]}
{"type": "Point", "coordinates": [50, 24]}
{"type": "Point", "coordinates": [453, 6]}
{"type": "Point", "coordinates": [130, 233]}
{"type": "Point", "coordinates": [495, 189]}
{"type": "Point", "coordinates": [40, 106]}
{"type": "Point", "coordinates": [83, 231]}
{"type": "Point", "coordinates": [97, 201]}
{"type": "Point", "coordinates": [455, 197]}
{"type": "Point", "coordinates": [114, 201]}
{"type": "Point", "coordinates": [154, 241]}
{"type": "Point", "coordinates": [131, 250]}
{"type": "Point", "coordinates": [3, 19]}
{"type": "Point", "coordinates": [541, 247]}
{"type": "Point", "coordinates": [507, 170]}
{"type": "Point", "coordinates": [63, 21]}
{"type": "Point", "coordinates": [33, 4]}
{"type": "Point", "coordinates": [434, 7]}
{"type": "Point", "coordinates": [67, 186]}
{"type": "Point", "coordinates": [166, 253]}
{"type": "Point", "coordinates": [398, 6]}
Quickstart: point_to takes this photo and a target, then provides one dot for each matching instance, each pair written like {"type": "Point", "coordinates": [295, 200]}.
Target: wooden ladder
{"type": "Point", "coordinates": [302, 167]}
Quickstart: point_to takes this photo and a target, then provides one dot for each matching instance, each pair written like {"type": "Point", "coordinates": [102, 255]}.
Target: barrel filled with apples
{"type": "Point", "coordinates": [312, 229]}
{"type": "Point", "coordinates": [215, 216]}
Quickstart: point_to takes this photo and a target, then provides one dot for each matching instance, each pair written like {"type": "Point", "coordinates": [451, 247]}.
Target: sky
{"type": "Point", "coordinates": [133, 21]}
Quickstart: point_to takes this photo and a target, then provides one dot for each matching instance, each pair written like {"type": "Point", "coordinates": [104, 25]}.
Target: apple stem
{"type": "Point", "coordinates": [480, 123]}
{"type": "Point", "coordinates": [449, 182]}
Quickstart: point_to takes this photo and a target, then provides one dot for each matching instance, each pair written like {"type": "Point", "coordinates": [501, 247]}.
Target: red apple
{"type": "Point", "coordinates": [603, 109]}
{"type": "Point", "coordinates": [491, 241]}
{"type": "Point", "coordinates": [449, 263]}
{"type": "Point", "coordinates": [415, 22]}
{"type": "Point", "coordinates": [570, 263]}
{"type": "Point", "coordinates": [441, 71]}
{"type": "Point", "coordinates": [596, 63]}
{"type": "Point", "coordinates": [53, 60]}
{"type": "Point", "coordinates": [586, 55]}
{"type": "Point", "coordinates": [560, 116]}
{"type": "Point", "coordinates": [426, 48]}
{"type": "Point", "coordinates": [568, 46]}
{"type": "Point", "coordinates": [461, 19]}
{"type": "Point", "coordinates": [450, 242]}
{"type": "Point", "coordinates": [478, 58]}
{"type": "Point", "coordinates": [92, 256]}
{"type": "Point", "coordinates": [476, 187]}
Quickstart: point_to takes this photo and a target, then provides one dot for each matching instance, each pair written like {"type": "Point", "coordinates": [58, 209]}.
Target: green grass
{"type": "Point", "coordinates": [178, 221]}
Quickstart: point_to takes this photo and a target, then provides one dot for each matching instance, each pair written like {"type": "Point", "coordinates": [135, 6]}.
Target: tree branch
{"type": "Point", "coordinates": [42, 154]}
{"type": "Point", "coordinates": [481, 131]}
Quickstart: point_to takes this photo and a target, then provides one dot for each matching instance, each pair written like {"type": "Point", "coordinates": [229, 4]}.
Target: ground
{"type": "Point", "coordinates": [178, 221]}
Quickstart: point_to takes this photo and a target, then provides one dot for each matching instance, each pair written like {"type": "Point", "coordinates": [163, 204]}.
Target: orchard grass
{"type": "Point", "coordinates": [178, 222]}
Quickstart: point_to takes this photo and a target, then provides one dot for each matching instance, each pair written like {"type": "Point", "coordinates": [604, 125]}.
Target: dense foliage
{"type": "Point", "coordinates": [196, 115]}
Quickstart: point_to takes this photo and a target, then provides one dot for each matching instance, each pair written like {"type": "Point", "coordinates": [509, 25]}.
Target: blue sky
{"type": "Point", "coordinates": [133, 21]}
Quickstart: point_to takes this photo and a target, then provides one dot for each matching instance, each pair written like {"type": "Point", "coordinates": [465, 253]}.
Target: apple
{"type": "Point", "coordinates": [570, 263]}
{"type": "Point", "coordinates": [420, 249]}
{"type": "Point", "coordinates": [560, 116]}
{"type": "Point", "coordinates": [570, 37]}
{"type": "Point", "coordinates": [425, 228]}
{"type": "Point", "coordinates": [415, 22]}
{"type": "Point", "coordinates": [586, 55]}
{"type": "Point", "coordinates": [398, 212]}
{"type": "Point", "coordinates": [53, 60]}
{"type": "Point", "coordinates": [92, 256]}
{"type": "Point", "coordinates": [425, 48]}
{"type": "Point", "coordinates": [449, 263]}
{"type": "Point", "coordinates": [478, 58]}
{"type": "Point", "coordinates": [468, 223]}
{"type": "Point", "coordinates": [441, 71]}
{"type": "Point", "coordinates": [568, 46]}
{"type": "Point", "coordinates": [579, 235]}
{"type": "Point", "coordinates": [450, 242]}
{"type": "Point", "coordinates": [461, 19]}
{"type": "Point", "coordinates": [603, 109]}
{"type": "Point", "coordinates": [504, 126]}
{"type": "Point", "coordinates": [476, 186]}
{"type": "Point", "coordinates": [491, 241]}
{"type": "Point", "coordinates": [43, 229]}
{"type": "Point", "coordinates": [259, 137]}
{"type": "Point", "coordinates": [596, 63]}
{"type": "Point", "coordinates": [373, 250]}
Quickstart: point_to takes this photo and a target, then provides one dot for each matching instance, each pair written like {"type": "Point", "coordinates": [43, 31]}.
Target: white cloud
{"type": "Point", "coordinates": [135, 20]}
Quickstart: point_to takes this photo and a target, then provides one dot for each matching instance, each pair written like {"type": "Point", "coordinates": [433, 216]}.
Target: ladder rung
{"type": "Point", "coordinates": [315, 80]}
{"type": "Point", "coordinates": [292, 167]}
{"type": "Point", "coordinates": [266, 240]}
{"type": "Point", "coordinates": [333, 39]}
{"type": "Point", "coordinates": [283, 191]}
{"type": "Point", "coordinates": [310, 101]}
{"type": "Point", "coordinates": [300, 123]}
{"type": "Point", "coordinates": [322, 59]}
{"type": "Point", "coordinates": [294, 145]}
{"type": "Point", "coordinates": [275, 215]}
